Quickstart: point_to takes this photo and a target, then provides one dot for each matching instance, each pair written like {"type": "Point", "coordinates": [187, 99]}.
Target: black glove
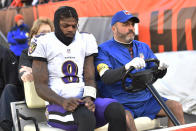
{"type": "Point", "coordinates": [21, 41]}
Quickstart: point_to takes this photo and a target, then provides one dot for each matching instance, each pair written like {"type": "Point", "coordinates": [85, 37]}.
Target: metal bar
{"type": "Point", "coordinates": [17, 115]}
{"type": "Point", "coordinates": [27, 118]}
{"type": "Point", "coordinates": [163, 105]}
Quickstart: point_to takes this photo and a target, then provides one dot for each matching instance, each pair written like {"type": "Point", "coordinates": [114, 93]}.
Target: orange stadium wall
{"type": "Point", "coordinates": [165, 25]}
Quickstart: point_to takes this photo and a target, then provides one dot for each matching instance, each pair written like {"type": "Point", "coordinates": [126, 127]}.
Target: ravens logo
{"type": "Point", "coordinates": [32, 47]}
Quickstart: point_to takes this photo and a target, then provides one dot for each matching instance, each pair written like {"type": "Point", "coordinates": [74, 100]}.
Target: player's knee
{"type": "Point", "coordinates": [84, 119]}
{"type": "Point", "coordinates": [175, 106]}
{"type": "Point", "coordinates": [87, 118]}
{"type": "Point", "coordinates": [178, 105]}
{"type": "Point", "coordinates": [115, 111]}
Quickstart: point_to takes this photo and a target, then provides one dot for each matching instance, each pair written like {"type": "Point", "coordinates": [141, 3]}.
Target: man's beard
{"type": "Point", "coordinates": [68, 40]}
{"type": "Point", "coordinates": [129, 39]}
{"type": "Point", "coordinates": [125, 37]}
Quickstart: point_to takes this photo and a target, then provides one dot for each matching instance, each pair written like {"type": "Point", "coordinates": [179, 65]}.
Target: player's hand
{"type": "Point", "coordinates": [25, 68]}
{"type": "Point", "coordinates": [70, 104]}
{"type": "Point", "coordinates": [163, 65]}
{"type": "Point", "coordinates": [27, 75]}
{"type": "Point", "coordinates": [137, 63]}
{"type": "Point", "coordinates": [89, 103]}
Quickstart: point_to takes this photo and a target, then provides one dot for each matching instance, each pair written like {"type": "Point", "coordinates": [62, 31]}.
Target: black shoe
{"type": "Point", "coordinates": [6, 125]}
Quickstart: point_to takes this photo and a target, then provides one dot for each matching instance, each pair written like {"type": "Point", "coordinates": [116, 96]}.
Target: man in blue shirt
{"type": "Point", "coordinates": [115, 57]}
{"type": "Point", "coordinates": [18, 36]}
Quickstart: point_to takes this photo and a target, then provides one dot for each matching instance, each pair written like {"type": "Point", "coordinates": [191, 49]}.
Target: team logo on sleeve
{"type": "Point", "coordinates": [32, 47]}
{"type": "Point", "coordinates": [27, 34]}
{"type": "Point", "coordinates": [102, 67]}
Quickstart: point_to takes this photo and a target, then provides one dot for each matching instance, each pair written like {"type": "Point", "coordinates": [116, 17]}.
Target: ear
{"type": "Point", "coordinates": [113, 28]}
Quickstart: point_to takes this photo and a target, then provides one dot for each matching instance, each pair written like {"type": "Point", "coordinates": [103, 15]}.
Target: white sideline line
{"type": "Point", "coordinates": [176, 127]}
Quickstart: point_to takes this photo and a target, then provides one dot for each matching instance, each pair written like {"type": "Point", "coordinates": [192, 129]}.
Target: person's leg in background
{"type": "Point", "coordinates": [11, 93]}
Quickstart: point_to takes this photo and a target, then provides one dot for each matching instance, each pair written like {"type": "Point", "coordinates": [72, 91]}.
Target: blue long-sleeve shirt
{"type": "Point", "coordinates": [18, 38]}
{"type": "Point", "coordinates": [115, 55]}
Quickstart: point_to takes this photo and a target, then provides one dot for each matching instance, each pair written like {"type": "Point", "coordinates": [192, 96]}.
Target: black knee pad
{"type": "Point", "coordinates": [115, 116]}
{"type": "Point", "coordinates": [114, 111]}
{"type": "Point", "coordinates": [84, 118]}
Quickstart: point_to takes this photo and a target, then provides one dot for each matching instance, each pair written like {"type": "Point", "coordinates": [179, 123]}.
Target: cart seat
{"type": "Point", "coordinates": [34, 101]}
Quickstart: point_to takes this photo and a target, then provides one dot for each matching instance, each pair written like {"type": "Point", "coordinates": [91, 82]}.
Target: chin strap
{"type": "Point", "coordinates": [89, 91]}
